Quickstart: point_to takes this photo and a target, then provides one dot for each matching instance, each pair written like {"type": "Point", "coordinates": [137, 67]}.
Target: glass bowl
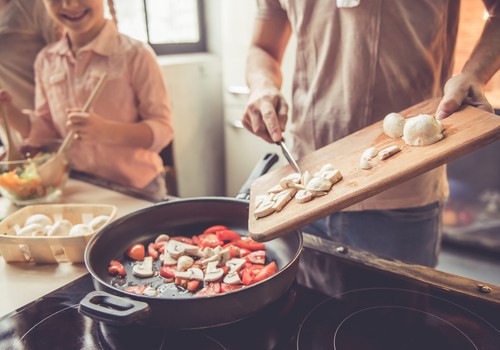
{"type": "Point", "coordinates": [20, 180]}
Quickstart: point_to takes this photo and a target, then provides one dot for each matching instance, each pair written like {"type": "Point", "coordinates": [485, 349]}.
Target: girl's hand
{"type": "Point", "coordinates": [88, 126]}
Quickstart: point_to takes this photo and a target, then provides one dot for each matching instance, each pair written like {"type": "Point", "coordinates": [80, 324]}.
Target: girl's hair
{"type": "Point", "coordinates": [112, 10]}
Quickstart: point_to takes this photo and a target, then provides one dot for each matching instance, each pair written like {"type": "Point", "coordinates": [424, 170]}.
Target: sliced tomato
{"type": "Point", "coordinates": [168, 271]}
{"type": "Point", "coordinates": [215, 228]}
{"type": "Point", "coordinates": [224, 287]}
{"type": "Point", "coordinates": [152, 252]}
{"type": "Point", "coordinates": [193, 285]}
{"type": "Point", "coordinates": [209, 289]}
{"type": "Point", "coordinates": [116, 268]}
{"type": "Point", "coordinates": [250, 244]}
{"type": "Point", "coordinates": [182, 239]}
{"type": "Point", "coordinates": [249, 273]}
{"type": "Point", "coordinates": [136, 289]}
{"type": "Point", "coordinates": [267, 271]}
{"type": "Point", "coordinates": [136, 252]}
{"type": "Point", "coordinates": [209, 240]}
{"type": "Point", "coordinates": [228, 235]}
{"type": "Point", "coordinates": [257, 257]}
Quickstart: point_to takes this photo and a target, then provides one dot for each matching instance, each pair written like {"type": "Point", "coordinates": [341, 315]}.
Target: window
{"type": "Point", "coordinates": [169, 26]}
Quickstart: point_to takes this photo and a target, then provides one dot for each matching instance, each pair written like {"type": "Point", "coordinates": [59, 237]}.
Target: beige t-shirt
{"type": "Point", "coordinates": [25, 29]}
{"type": "Point", "coordinates": [356, 65]}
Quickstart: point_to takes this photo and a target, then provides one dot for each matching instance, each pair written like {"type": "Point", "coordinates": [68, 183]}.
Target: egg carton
{"type": "Point", "coordinates": [50, 249]}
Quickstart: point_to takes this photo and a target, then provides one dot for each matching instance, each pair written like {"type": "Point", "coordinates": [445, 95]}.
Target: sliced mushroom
{"type": "Point", "coordinates": [275, 189]}
{"type": "Point", "coordinates": [364, 163]}
{"type": "Point", "coordinates": [333, 176]}
{"type": "Point", "coordinates": [235, 264]}
{"type": "Point", "coordinates": [213, 273]}
{"type": "Point", "coordinates": [184, 262]}
{"type": "Point", "coordinates": [370, 153]}
{"type": "Point", "coordinates": [192, 273]}
{"type": "Point", "coordinates": [168, 259]}
{"type": "Point", "coordinates": [162, 238]}
{"type": "Point", "coordinates": [306, 176]}
{"type": "Point", "coordinates": [177, 248]}
{"type": "Point", "coordinates": [282, 198]}
{"type": "Point", "coordinates": [318, 184]}
{"type": "Point", "coordinates": [214, 258]}
{"type": "Point", "coordinates": [145, 269]}
{"type": "Point", "coordinates": [327, 167]}
{"type": "Point", "coordinates": [290, 180]}
{"type": "Point", "coordinates": [232, 278]}
{"type": "Point", "coordinates": [303, 196]}
{"type": "Point", "coordinates": [388, 152]}
{"type": "Point", "coordinates": [264, 209]}
{"type": "Point", "coordinates": [225, 255]}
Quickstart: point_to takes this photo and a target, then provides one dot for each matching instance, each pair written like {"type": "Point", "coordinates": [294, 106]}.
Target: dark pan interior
{"type": "Point", "coordinates": [186, 217]}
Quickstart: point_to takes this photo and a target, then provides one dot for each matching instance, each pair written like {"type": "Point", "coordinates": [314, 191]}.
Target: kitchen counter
{"type": "Point", "coordinates": [22, 283]}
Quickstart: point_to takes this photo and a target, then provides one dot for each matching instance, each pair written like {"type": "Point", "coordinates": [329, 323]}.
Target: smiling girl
{"type": "Point", "coordinates": [130, 121]}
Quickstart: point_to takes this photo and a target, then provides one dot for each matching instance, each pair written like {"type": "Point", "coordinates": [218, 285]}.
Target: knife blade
{"type": "Point", "coordinates": [289, 156]}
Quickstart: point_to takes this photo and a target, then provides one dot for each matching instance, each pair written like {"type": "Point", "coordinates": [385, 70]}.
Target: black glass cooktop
{"type": "Point", "coordinates": [340, 300]}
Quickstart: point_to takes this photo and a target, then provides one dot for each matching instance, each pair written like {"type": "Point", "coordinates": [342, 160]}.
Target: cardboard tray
{"type": "Point", "coordinates": [53, 249]}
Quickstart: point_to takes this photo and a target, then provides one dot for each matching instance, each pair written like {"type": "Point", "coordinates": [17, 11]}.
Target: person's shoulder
{"type": "Point", "coordinates": [129, 43]}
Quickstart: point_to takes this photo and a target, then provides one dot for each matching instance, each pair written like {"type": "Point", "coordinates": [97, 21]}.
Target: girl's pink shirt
{"type": "Point", "coordinates": [134, 92]}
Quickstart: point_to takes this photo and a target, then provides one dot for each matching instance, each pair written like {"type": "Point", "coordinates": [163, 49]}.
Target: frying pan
{"type": "Point", "coordinates": [175, 309]}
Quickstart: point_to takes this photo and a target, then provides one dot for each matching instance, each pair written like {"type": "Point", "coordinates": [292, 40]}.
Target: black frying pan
{"type": "Point", "coordinates": [183, 217]}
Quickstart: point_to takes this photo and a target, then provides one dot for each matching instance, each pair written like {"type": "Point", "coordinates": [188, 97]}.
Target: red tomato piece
{"type": "Point", "coordinates": [116, 268]}
{"type": "Point", "coordinates": [168, 271]}
{"type": "Point", "coordinates": [152, 252]}
{"type": "Point", "coordinates": [250, 244]}
{"type": "Point", "coordinates": [136, 252]}
{"type": "Point", "coordinates": [244, 252]}
{"type": "Point", "coordinates": [136, 289]}
{"type": "Point", "coordinates": [209, 240]}
{"type": "Point", "coordinates": [182, 239]}
{"type": "Point", "coordinates": [249, 274]}
{"type": "Point", "coordinates": [224, 287]}
{"type": "Point", "coordinates": [209, 289]}
{"type": "Point", "coordinates": [257, 257]}
{"type": "Point", "coordinates": [214, 229]}
{"type": "Point", "coordinates": [228, 235]}
{"type": "Point", "coordinates": [193, 285]}
{"type": "Point", "coordinates": [267, 271]}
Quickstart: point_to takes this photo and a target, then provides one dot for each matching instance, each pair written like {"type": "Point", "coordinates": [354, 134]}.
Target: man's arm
{"type": "Point", "coordinates": [266, 112]}
{"type": "Point", "coordinates": [484, 61]}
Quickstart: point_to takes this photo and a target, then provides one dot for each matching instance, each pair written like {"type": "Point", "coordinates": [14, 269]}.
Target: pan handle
{"type": "Point", "coordinates": [108, 308]}
{"type": "Point", "coordinates": [260, 169]}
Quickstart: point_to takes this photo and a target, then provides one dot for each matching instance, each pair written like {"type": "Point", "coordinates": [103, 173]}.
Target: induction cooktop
{"type": "Point", "coordinates": [341, 299]}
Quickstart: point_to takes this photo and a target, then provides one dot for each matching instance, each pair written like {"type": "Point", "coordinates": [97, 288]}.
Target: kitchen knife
{"type": "Point", "coordinates": [289, 156]}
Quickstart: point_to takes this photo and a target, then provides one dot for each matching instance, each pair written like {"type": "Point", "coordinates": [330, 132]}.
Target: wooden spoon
{"type": "Point", "coordinates": [51, 170]}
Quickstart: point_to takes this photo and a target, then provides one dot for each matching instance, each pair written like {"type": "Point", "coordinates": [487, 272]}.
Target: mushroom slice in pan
{"type": "Point", "coordinates": [235, 264]}
{"type": "Point", "coordinates": [177, 248]}
{"type": "Point", "coordinates": [168, 259]}
{"type": "Point", "coordinates": [232, 278]}
{"type": "Point", "coordinates": [192, 273]}
{"type": "Point", "coordinates": [213, 273]}
{"type": "Point", "coordinates": [184, 262]}
{"type": "Point", "coordinates": [145, 269]}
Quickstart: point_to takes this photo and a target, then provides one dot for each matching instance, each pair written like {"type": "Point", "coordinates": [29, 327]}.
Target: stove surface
{"type": "Point", "coordinates": [337, 302]}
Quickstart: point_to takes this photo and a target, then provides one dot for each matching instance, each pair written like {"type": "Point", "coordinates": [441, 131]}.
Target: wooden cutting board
{"type": "Point", "coordinates": [465, 131]}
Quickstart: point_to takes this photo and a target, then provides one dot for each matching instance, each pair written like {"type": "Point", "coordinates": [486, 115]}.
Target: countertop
{"type": "Point", "coordinates": [22, 283]}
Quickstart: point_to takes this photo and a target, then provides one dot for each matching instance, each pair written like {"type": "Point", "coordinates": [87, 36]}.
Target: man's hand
{"type": "Point", "coordinates": [266, 114]}
{"type": "Point", "coordinates": [462, 89]}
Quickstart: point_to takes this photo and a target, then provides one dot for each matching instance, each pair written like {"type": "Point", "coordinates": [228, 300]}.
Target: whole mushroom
{"type": "Point", "coordinates": [393, 125]}
{"type": "Point", "coordinates": [422, 130]}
